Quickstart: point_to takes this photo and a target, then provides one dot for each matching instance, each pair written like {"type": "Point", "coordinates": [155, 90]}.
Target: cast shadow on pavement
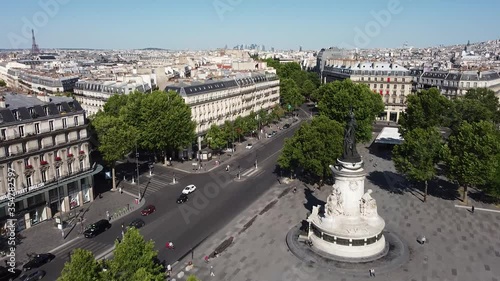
{"type": "Point", "coordinates": [312, 200]}
{"type": "Point", "coordinates": [397, 184]}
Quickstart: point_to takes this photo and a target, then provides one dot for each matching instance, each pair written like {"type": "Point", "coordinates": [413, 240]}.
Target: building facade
{"type": "Point", "coordinates": [454, 84]}
{"type": "Point", "coordinates": [45, 168]}
{"type": "Point", "coordinates": [92, 95]}
{"type": "Point", "coordinates": [215, 102]}
{"type": "Point", "coordinates": [392, 81]}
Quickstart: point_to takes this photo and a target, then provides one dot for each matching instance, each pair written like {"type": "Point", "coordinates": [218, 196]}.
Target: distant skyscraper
{"type": "Point", "coordinates": [300, 48]}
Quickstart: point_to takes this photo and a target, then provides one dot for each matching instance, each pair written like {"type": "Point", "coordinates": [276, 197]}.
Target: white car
{"type": "Point", "coordinates": [189, 189]}
{"type": "Point", "coordinates": [249, 145]}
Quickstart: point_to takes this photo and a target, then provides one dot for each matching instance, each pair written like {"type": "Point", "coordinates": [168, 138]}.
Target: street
{"type": "Point", "coordinates": [219, 198]}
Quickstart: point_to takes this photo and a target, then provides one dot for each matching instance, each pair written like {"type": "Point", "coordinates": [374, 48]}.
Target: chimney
{"type": "Point", "coordinates": [2, 102]}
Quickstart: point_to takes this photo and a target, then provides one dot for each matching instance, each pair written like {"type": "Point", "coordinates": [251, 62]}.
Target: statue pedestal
{"type": "Point", "coordinates": [350, 226]}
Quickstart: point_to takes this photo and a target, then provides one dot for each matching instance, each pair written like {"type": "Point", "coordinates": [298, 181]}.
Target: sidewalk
{"type": "Point", "coordinates": [45, 237]}
{"type": "Point", "coordinates": [206, 166]}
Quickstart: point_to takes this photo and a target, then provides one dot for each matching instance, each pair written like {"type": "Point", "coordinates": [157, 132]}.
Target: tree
{"type": "Point", "coordinates": [492, 186]}
{"type": "Point", "coordinates": [277, 112]}
{"type": "Point", "coordinates": [418, 155]}
{"type": "Point", "coordinates": [477, 105]}
{"type": "Point", "coordinates": [308, 88]}
{"type": "Point", "coordinates": [314, 147]}
{"type": "Point", "coordinates": [290, 94]}
{"type": "Point", "coordinates": [116, 139]}
{"type": "Point", "coordinates": [239, 127]}
{"type": "Point", "coordinates": [167, 125]}
{"type": "Point", "coordinates": [336, 99]}
{"type": "Point", "coordinates": [470, 154]}
{"type": "Point", "coordinates": [134, 259]}
{"type": "Point", "coordinates": [313, 77]}
{"type": "Point", "coordinates": [192, 278]}
{"type": "Point", "coordinates": [115, 103]}
{"type": "Point", "coordinates": [229, 131]}
{"type": "Point", "coordinates": [81, 267]}
{"type": "Point", "coordinates": [216, 137]}
{"type": "Point", "coordinates": [425, 110]}
{"type": "Point", "coordinates": [2, 83]}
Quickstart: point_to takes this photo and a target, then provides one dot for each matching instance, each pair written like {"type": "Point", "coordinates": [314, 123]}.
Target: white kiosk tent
{"type": "Point", "coordinates": [389, 135]}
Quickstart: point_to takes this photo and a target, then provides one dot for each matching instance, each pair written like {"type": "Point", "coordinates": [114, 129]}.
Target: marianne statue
{"type": "Point", "coordinates": [350, 153]}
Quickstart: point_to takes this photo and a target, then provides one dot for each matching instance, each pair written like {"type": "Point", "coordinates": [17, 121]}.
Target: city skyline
{"type": "Point", "coordinates": [199, 24]}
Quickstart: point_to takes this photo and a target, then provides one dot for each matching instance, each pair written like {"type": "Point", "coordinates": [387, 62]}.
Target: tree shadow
{"type": "Point", "coordinates": [383, 151]}
{"type": "Point", "coordinates": [312, 200]}
{"type": "Point", "coordinates": [483, 197]}
{"type": "Point", "coordinates": [388, 181]}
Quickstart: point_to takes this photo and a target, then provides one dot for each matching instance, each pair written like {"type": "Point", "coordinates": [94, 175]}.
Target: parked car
{"type": "Point", "coordinates": [249, 146]}
{"type": "Point", "coordinates": [137, 223]}
{"type": "Point", "coordinates": [182, 199]}
{"type": "Point", "coordinates": [148, 210]}
{"type": "Point", "coordinates": [96, 228]}
{"type": "Point", "coordinates": [286, 126]}
{"type": "Point", "coordinates": [32, 276]}
{"type": "Point", "coordinates": [38, 260]}
{"type": "Point", "coordinates": [189, 189]}
{"type": "Point", "coordinates": [9, 274]}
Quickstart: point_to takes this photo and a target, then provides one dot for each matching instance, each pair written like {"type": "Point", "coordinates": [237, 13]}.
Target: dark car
{"type": "Point", "coordinates": [97, 228]}
{"type": "Point", "coordinates": [38, 260]}
{"type": "Point", "coordinates": [286, 126]}
{"type": "Point", "coordinates": [9, 274]}
{"type": "Point", "coordinates": [32, 276]}
{"type": "Point", "coordinates": [137, 223]}
{"type": "Point", "coordinates": [148, 210]}
{"type": "Point", "coordinates": [182, 199]}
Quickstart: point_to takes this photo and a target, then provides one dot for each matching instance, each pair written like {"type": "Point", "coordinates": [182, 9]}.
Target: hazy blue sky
{"type": "Point", "coordinates": [203, 24]}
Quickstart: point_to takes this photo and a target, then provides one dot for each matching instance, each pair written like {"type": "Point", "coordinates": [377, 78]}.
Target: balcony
{"type": "Point", "coordinates": [42, 134]}
{"type": "Point", "coordinates": [20, 155]}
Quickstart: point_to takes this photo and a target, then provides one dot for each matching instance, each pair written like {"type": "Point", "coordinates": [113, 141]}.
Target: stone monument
{"type": "Point", "coordinates": [349, 227]}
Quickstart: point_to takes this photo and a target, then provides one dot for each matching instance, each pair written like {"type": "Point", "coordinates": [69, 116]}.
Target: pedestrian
{"type": "Point", "coordinates": [472, 209]}
{"type": "Point", "coordinates": [108, 216]}
{"type": "Point", "coordinates": [207, 259]}
{"type": "Point", "coordinates": [169, 268]}
{"type": "Point", "coordinates": [212, 270]}
{"type": "Point", "coordinates": [121, 191]}
{"type": "Point", "coordinates": [227, 168]}
{"type": "Point", "coordinates": [128, 206]}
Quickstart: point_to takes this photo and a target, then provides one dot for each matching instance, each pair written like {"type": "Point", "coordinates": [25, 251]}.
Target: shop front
{"type": "Point", "coordinates": [86, 191]}
{"type": "Point", "coordinates": [73, 192]}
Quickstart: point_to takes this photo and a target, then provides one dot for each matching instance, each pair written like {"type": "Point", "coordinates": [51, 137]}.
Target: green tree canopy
{"type": "Point", "coordinates": [216, 137]}
{"type": "Point", "coordinates": [115, 103]}
{"type": "Point", "coordinates": [81, 267]}
{"type": "Point", "coordinates": [134, 259]}
{"type": "Point", "coordinates": [314, 147]}
{"type": "Point", "coordinates": [192, 278]}
{"type": "Point", "coordinates": [335, 101]}
{"type": "Point", "coordinates": [471, 151]}
{"type": "Point", "coordinates": [308, 88]}
{"type": "Point", "coordinates": [425, 109]}
{"type": "Point", "coordinates": [2, 83]}
{"type": "Point", "coordinates": [419, 154]}
{"type": "Point", "coordinates": [116, 138]}
{"type": "Point", "coordinates": [230, 131]}
{"type": "Point", "coordinates": [477, 105]}
{"type": "Point", "coordinates": [290, 94]}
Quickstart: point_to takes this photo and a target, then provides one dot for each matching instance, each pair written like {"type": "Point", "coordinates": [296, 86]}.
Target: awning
{"type": "Point", "coordinates": [389, 135]}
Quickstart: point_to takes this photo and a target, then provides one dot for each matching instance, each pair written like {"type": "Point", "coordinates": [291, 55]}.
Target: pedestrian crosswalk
{"type": "Point", "coordinates": [81, 243]}
{"type": "Point", "coordinates": [154, 183]}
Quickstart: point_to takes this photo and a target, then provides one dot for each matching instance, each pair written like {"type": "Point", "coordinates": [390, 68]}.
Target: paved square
{"type": "Point", "coordinates": [461, 245]}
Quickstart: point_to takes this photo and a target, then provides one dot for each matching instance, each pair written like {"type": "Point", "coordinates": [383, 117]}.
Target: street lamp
{"type": "Point", "coordinates": [239, 172]}
{"type": "Point", "coordinates": [137, 167]}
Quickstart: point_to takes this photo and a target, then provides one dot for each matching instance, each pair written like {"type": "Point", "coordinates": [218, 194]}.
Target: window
{"type": "Point", "coordinates": [37, 128]}
{"type": "Point", "coordinates": [375, 86]}
{"type": "Point", "coordinates": [381, 86]}
{"type": "Point", "coordinates": [393, 100]}
{"type": "Point", "coordinates": [70, 168]}
{"type": "Point", "coordinates": [404, 80]}
{"type": "Point", "coordinates": [402, 87]}
{"type": "Point", "coordinates": [82, 165]}
{"type": "Point", "coordinates": [42, 157]}
{"type": "Point", "coordinates": [26, 161]}
{"type": "Point", "coordinates": [388, 86]}
{"type": "Point", "coordinates": [395, 86]}
{"type": "Point", "coordinates": [29, 181]}
{"type": "Point", "coordinates": [51, 125]}
{"type": "Point", "coordinates": [64, 123]}
{"type": "Point", "coordinates": [44, 176]}
{"type": "Point", "coordinates": [21, 131]}
{"type": "Point", "coordinates": [3, 135]}
{"type": "Point", "coordinates": [395, 79]}
{"type": "Point", "coordinates": [58, 172]}
{"type": "Point", "coordinates": [76, 120]}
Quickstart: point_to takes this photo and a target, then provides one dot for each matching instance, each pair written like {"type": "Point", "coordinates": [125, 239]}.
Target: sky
{"type": "Point", "coordinates": [282, 24]}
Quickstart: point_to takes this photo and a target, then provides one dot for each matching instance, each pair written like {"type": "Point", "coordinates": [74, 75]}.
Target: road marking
{"type": "Point", "coordinates": [253, 172]}
{"type": "Point", "coordinates": [65, 244]}
{"type": "Point", "coordinates": [479, 209]}
{"type": "Point", "coordinates": [105, 253]}
{"type": "Point", "coordinates": [247, 172]}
